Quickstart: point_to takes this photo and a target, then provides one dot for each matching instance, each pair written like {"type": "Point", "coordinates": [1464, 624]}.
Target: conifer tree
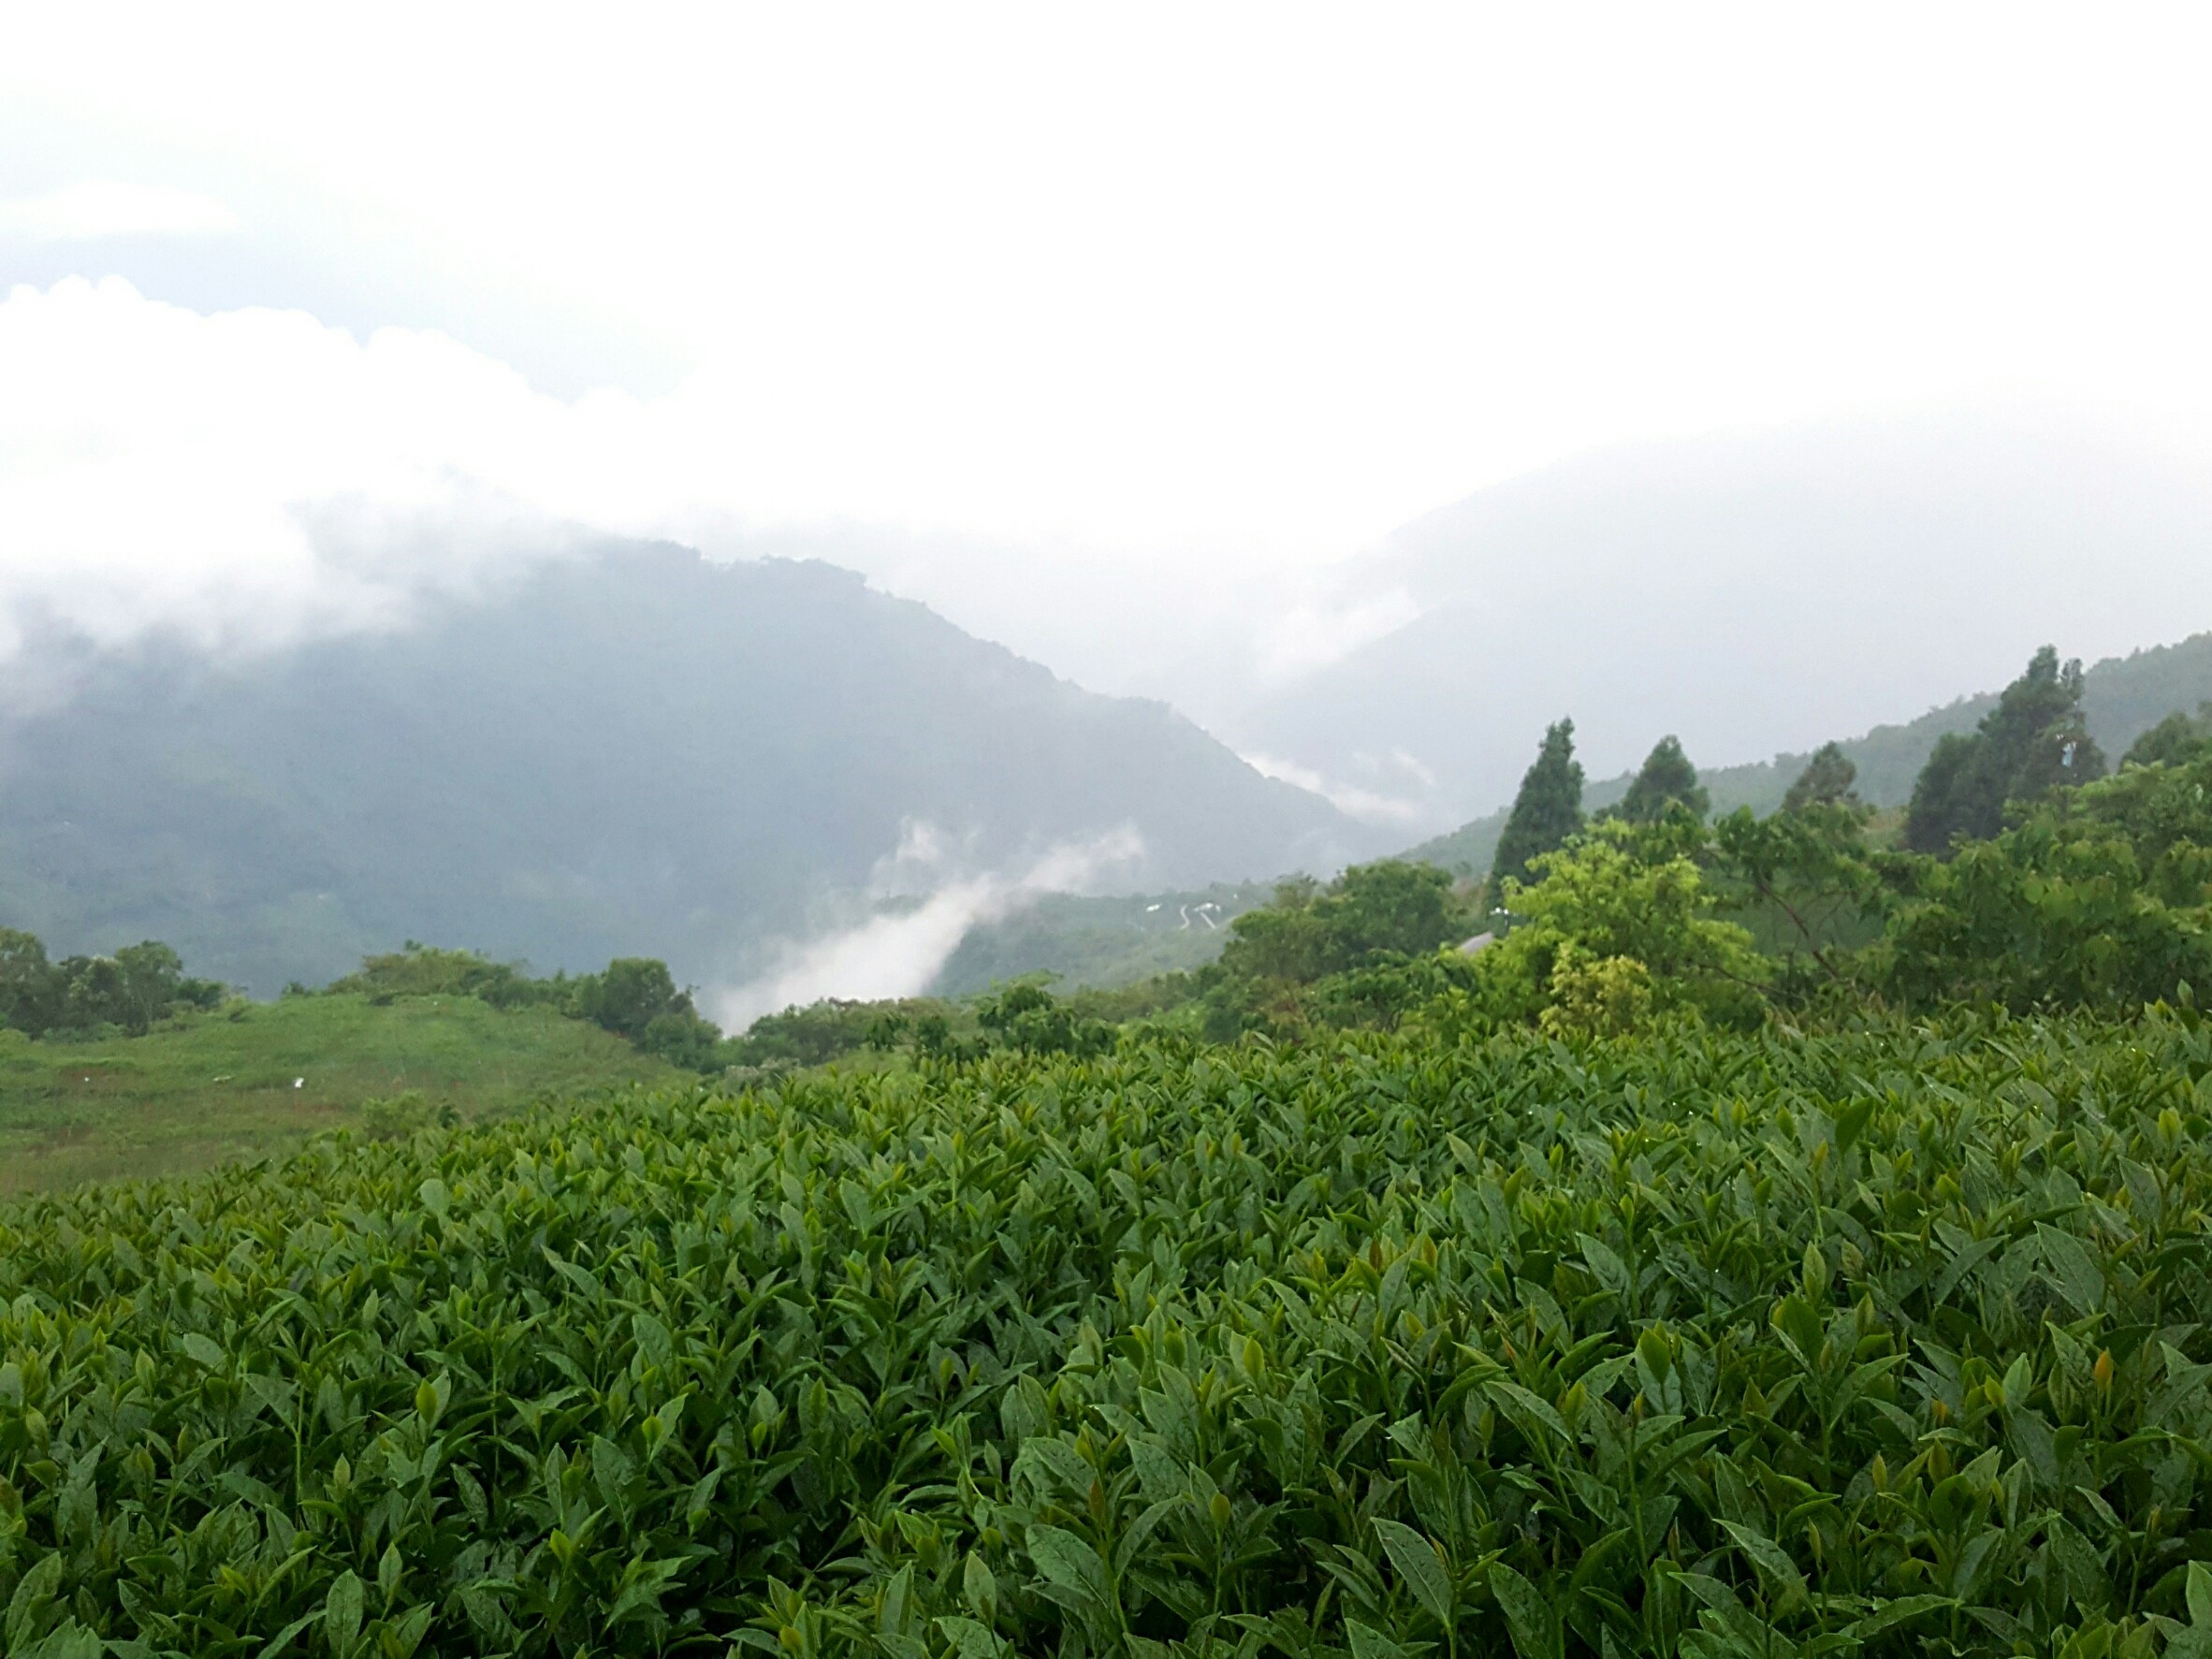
{"type": "Point", "coordinates": [2033, 741]}
{"type": "Point", "coordinates": [1825, 781]}
{"type": "Point", "coordinates": [1546, 812]}
{"type": "Point", "coordinates": [1666, 777]}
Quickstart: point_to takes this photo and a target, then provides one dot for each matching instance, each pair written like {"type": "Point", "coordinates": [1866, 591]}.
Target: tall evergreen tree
{"type": "Point", "coordinates": [1666, 777]}
{"type": "Point", "coordinates": [2034, 740]}
{"type": "Point", "coordinates": [1548, 809]}
{"type": "Point", "coordinates": [1825, 781]}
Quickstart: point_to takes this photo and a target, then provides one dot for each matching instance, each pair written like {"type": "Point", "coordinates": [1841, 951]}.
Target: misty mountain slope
{"type": "Point", "coordinates": [2122, 697]}
{"type": "Point", "coordinates": [1752, 594]}
{"type": "Point", "coordinates": [639, 751]}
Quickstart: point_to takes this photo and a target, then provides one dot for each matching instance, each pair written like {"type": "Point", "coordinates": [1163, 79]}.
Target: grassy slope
{"type": "Point", "coordinates": [217, 1088]}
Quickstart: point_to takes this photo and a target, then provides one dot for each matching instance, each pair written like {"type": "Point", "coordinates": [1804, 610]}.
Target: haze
{"type": "Point", "coordinates": [1108, 335]}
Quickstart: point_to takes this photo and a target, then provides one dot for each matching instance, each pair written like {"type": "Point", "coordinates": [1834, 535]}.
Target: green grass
{"type": "Point", "coordinates": [257, 1080]}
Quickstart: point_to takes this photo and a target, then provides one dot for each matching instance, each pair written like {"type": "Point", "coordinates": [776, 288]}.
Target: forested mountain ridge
{"type": "Point", "coordinates": [633, 751]}
{"type": "Point", "coordinates": [2122, 697]}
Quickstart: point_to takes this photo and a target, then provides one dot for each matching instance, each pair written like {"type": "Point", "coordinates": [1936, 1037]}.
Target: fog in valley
{"type": "Point", "coordinates": [1372, 405]}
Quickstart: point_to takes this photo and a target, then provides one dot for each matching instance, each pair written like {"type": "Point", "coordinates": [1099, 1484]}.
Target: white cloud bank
{"type": "Point", "coordinates": [248, 478]}
{"type": "Point", "coordinates": [90, 209]}
{"type": "Point", "coordinates": [1139, 315]}
{"type": "Point", "coordinates": [897, 954]}
{"type": "Point", "coordinates": [244, 478]}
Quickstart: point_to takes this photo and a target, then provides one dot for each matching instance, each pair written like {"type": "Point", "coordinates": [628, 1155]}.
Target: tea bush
{"type": "Point", "coordinates": [1892, 1341]}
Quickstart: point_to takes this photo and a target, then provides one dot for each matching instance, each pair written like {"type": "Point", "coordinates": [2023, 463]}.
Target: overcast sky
{"type": "Point", "coordinates": [1100, 328]}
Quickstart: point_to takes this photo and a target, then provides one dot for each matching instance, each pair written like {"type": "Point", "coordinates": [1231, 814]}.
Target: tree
{"type": "Point", "coordinates": [1391, 904]}
{"type": "Point", "coordinates": [1622, 922]}
{"type": "Point", "coordinates": [631, 994]}
{"type": "Point", "coordinates": [31, 990]}
{"type": "Point", "coordinates": [1030, 1020]}
{"type": "Point", "coordinates": [1825, 781]}
{"type": "Point", "coordinates": [1939, 793]}
{"type": "Point", "coordinates": [2033, 741]}
{"type": "Point", "coordinates": [1546, 812]}
{"type": "Point", "coordinates": [2174, 741]}
{"type": "Point", "coordinates": [1308, 932]}
{"type": "Point", "coordinates": [2044, 916]}
{"type": "Point", "coordinates": [1667, 780]}
{"type": "Point", "coordinates": [2101, 897]}
{"type": "Point", "coordinates": [138, 985]}
{"type": "Point", "coordinates": [416, 969]}
{"type": "Point", "coordinates": [151, 984]}
{"type": "Point", "coordinates": [1807, 875]}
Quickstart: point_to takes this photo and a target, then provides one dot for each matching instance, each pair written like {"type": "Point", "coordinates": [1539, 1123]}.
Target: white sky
{"type": "Point", "coordinates": [1075, 301]}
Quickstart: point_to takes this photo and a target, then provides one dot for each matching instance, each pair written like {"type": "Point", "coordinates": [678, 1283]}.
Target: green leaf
{"type": "Point", "coordinates": [1851, 1120]}
{"type": "Point", "coordinates": [969, 1639]}
{"type": "Point", "coordinates": [1067, 1560]}
{"type": "Point", "coordinates": [201, 1348]}
{"type": "Point", "coordinates": [1528, 1616]}
{"type": "Point", "coordinates": [1420, 1565]}
{"type": "Point", "coordinates": [400, 1641]}
{"type": "Point", "coordinates": [896, 1601]}
{"type": "Point", "coordinates": [342, 1614]}
{"type": "Point", "coordinates": [2079, 1278]}
{"type": "Point", "coordinates": [282, 1639]}
{"type": "Point", "coordinates": [1370, 1644]}
{"type": "Point", "coordinates": [978, 1588]}
{"type": "Point", "coordinates": [1888, 1615]}
{"type": "Point", "coordinates": [1607, 1267]}
{"type": "Point", "coordinates": [1519, 1404]}
{"type": "Point", "coordinates": [1773, 1562]}
{"type": "Point", "coordinates": [34, 1593]}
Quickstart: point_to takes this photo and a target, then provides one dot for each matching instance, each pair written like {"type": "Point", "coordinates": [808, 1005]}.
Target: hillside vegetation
{"type": "Point", "coordinates": [1099, 942]}
{"type": "Point", "coordinates": [636, 753]}
{"type": "Point", "coordinates": [2122, 698]}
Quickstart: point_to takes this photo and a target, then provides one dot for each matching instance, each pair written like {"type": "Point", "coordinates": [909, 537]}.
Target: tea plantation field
{"type": "Point", "coordinates": [1893, 1342]}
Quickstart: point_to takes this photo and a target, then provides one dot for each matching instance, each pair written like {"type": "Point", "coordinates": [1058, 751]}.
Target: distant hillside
{"type": "Point", "coordinates": [1103, 941]}
{"type": "Point", "coordinates": [2123, 697]}
{"type": "Point", "coordinates": [634, 753]}
{"type": "Point", "coordinates": [1749, 593]}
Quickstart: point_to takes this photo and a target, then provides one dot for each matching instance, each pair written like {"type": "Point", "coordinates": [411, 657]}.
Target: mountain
{"type": "Point", "coordinates": [1751, 593]}
{"type": "Point", "coordinates": [2122, 697]}
{"type": "Point", "coordinates": [632, 750]}
{"type": "Point", "coordinates": [1101, 941]}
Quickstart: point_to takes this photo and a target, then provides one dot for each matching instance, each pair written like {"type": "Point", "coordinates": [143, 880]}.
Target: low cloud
{"type": "Point", "coordinates": [254, 477]}
{"type": "Point", "coordinates": [898, 953]}
{"type": "Point", "coordinates": [1368, 806]}
{"type": "Point", "coordinates": [94, 207]}
{"type": "Point", "coordinates": [1313, 634]}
